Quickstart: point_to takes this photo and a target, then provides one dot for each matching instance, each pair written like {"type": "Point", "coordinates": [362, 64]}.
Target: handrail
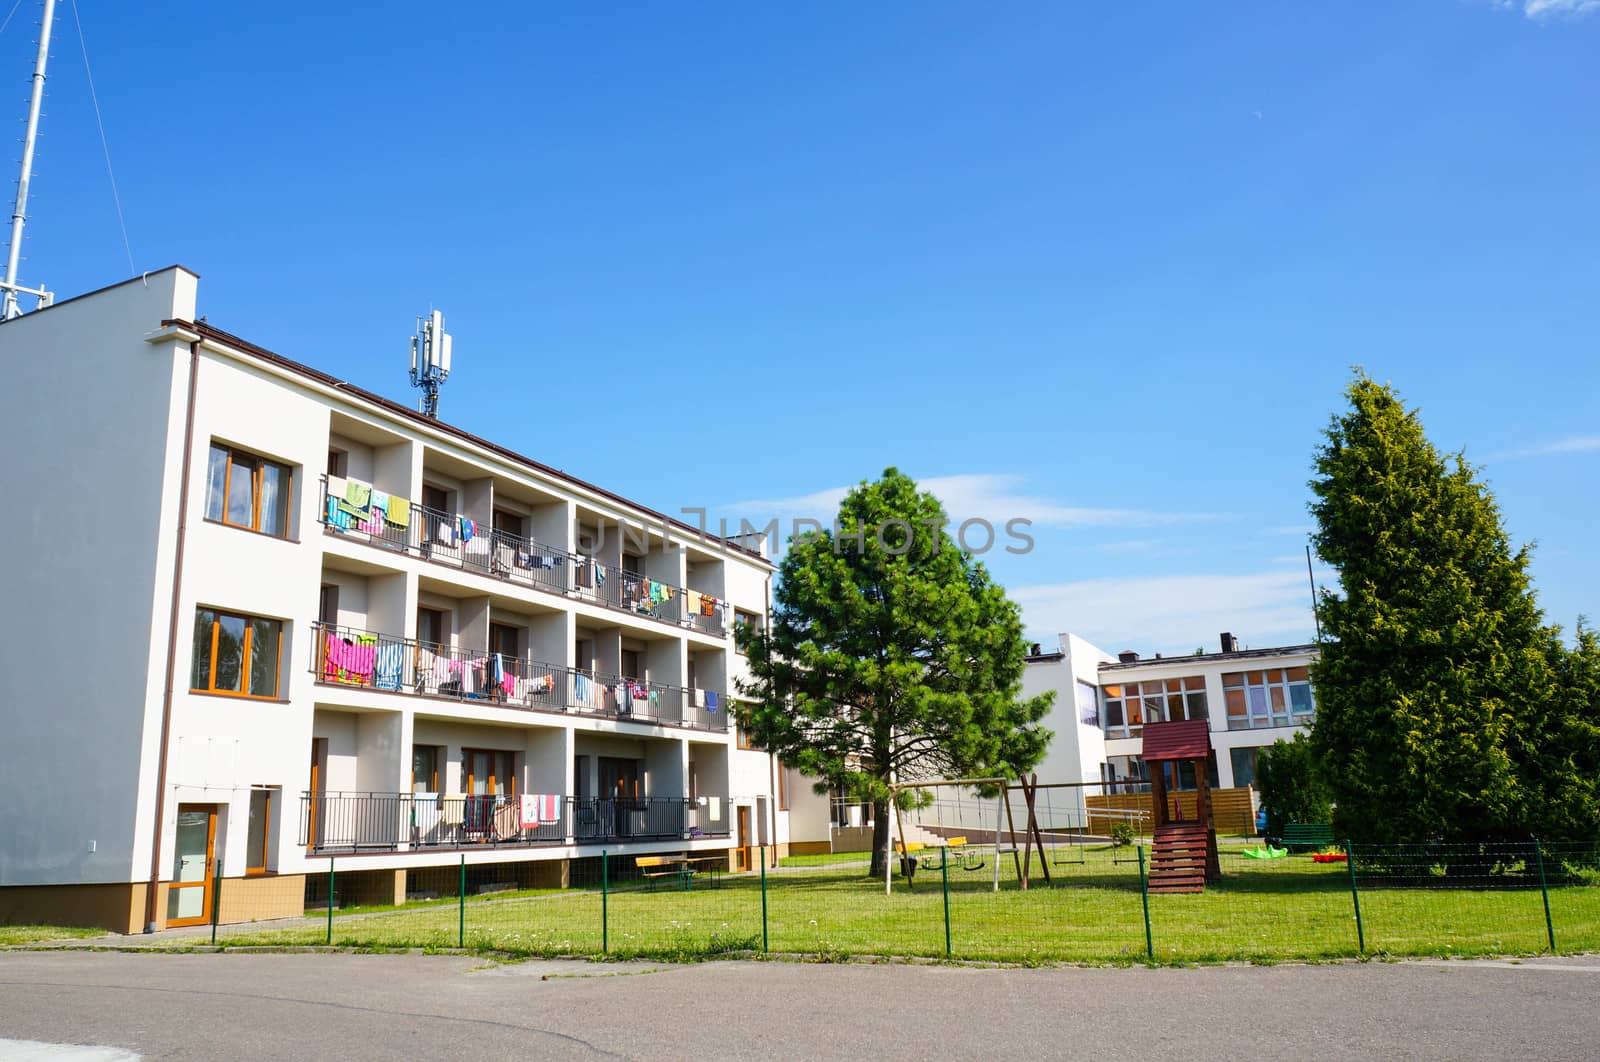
{"type": "Point", "coordinates": [348, 656]}
{"type": "Point", "coordinates": [454, 540]}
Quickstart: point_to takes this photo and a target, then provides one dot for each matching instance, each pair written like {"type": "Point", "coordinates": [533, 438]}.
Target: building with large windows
{"type": "Point", "coordinates": [263, 619]}
{"type": "Point", "coordinates": [1249, 698]}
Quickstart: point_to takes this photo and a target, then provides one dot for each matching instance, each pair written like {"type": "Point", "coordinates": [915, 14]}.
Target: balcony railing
{"type": "Point", "coordinates": [345, 656]}
{"type": "Point", "coordinates": [449, 539]}
{"type": "Point", "coordinates": [388, 822]}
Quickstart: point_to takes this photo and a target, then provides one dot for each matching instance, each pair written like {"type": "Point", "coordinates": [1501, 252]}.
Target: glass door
{"type": "Point", "coordinates": [189, 894]}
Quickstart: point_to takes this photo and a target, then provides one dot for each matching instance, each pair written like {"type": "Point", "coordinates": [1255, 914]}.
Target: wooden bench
{"type": "Point", "coordinates": [1305, 836]}
{"type": "Point", "coordinates": [655, 868]}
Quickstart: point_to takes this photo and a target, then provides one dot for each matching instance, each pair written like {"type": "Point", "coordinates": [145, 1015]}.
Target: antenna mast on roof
{"type": "Point", "coordinates": [430, 360]}
{"type": "Point", "coordinates": [20, 213]}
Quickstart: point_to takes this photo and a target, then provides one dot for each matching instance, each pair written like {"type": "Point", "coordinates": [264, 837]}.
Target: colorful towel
{"type": "Point", "coordinates": [358, 493]}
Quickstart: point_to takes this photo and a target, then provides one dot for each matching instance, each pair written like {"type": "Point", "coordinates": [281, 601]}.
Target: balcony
{"type": "Point", "coordinates": [453, 541]}
{"type": "Point", "coordinates": [354, 823]}
{"type": "Point", "coordinates": [345, 656]}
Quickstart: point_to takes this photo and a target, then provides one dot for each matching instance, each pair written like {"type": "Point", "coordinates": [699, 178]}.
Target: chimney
{"type": "Point", "coordinates": [1230, 644]}
{"type": "Point", "coordinates": [1034, 650]}
{"type": "Point", "coordinates": [1128, 656]}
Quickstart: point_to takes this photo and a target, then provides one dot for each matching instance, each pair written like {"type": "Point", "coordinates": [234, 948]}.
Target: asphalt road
{"type": "Point", "coordinates": [417, 1007]}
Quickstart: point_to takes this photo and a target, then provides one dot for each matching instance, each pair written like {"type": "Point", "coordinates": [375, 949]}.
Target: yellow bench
{"type": "Point", "coordinates": [654, 868]}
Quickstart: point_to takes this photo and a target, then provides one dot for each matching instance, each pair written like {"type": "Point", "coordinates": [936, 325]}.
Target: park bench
{"type": "Point", "coordinates": [1303, 836]}
{"type": "Point", "coordinates": [656, 868]}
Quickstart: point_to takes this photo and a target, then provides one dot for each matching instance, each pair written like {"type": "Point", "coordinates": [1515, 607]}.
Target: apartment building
{"type": "Point", "coordinates": [1249, 698]}
{"type": "Point", "coordinates": [263, 620]}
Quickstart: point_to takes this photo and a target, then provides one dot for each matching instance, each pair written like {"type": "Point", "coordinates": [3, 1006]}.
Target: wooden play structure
{"type": "Point", "coordinates": [1183, 855]}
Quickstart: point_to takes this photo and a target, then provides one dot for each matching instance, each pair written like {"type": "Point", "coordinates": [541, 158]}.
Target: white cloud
{"type": "Point", "coordinates": [1174, 613]}
{"type": "Point", "coordinates": [1572, 444]}
{"type": "Point", "coordinates": [1541, 10]}
{"type": "Point", "coordinates": [995, 497]}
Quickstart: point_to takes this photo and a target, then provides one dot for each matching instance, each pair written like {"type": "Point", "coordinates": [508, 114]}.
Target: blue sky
{"type": "Point", "coordinates": [1104, 267]}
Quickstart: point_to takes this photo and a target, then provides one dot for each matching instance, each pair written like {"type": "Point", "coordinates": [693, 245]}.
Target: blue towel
{"type": "Point", "coordinates": [388, 665]}
{"type": "Point", "coordinates": [711, 700]}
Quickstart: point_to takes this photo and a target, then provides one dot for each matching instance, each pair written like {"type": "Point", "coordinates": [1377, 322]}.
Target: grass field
{"type": "Point", "coordinates": [39, 934]}
{"type": "Point", "coordinates": [1091, 911]}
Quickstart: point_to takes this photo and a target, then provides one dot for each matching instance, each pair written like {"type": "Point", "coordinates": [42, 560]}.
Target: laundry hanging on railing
{"type": "Point", "coordinates": [711, 700]}
{"type": "Point", "coordinates": [539, 809]}
{"type": "Point", "coordinates": [389, 663]}
{"type": "Point", "coordinates": [349, 660]}
{"type": "Point", "coordinates": [425, 812]}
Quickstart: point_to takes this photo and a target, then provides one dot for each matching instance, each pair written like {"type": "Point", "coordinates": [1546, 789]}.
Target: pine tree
{"type": "Point", "coordinates": [892, 657]}
{"type": "Point", "coordinates": [1440, 697]}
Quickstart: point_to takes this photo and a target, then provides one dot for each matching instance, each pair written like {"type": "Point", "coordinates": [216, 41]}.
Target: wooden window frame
{"type": "Point", "coordinates": [510, 762]}
{"type": "Point", "coordinates": [245, 653]}
{"type": "Point", "coordinates": [739, 616]}
{"type": "Point", "coordinates": [253, 869]}
{"type": "Point", "coordinates": [783, 787]}
{"type": "Point", "coordinates": [433, 782]}
{"type": "Point", "coordinates": [743, 740]}
{"type": "Point", "coordinates": [257, 481]}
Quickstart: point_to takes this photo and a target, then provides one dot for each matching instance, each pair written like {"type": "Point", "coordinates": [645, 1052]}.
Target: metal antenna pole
{"type": "Point", "coordinates": [20, 213]}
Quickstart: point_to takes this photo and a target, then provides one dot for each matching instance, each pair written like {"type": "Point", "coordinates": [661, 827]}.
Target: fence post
{"type": "Point", "coordinates": [605, 889]}
{"type": "Point", "coordinates": [216, 902]}
{"type": "Point", "coordinates": [461, 906]}
{"type": "Point", "coordinates": [763, 902]}
{"type": "Point", "coordinates": [944, 877]}
{"type": "Point", "coordinates": [1355, 896]}
{"type": "Point", "coordinates": [1144, 895]}
{"type": "Point", "coordinates": [330, 900]}
{"type": "Point", "coordinates": [1544, 890]}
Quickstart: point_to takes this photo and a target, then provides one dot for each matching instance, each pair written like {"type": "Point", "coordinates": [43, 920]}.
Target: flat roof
{"type": "Point", "coordinates": [1191, 658]}
{"type": "Point", "coordinates": [244, 346]}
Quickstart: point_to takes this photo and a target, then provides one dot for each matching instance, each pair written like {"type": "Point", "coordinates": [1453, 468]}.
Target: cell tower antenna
{"type": "Point", "coordinates": [430, 360]}
{"type": "Point", "coordinates": [18, 215]}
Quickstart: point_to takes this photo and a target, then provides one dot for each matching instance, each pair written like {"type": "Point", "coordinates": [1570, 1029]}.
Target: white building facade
{"type": "Point", "coordinates": [264, 620]}
{"type": "Point", "coordinates": [1250, 698]}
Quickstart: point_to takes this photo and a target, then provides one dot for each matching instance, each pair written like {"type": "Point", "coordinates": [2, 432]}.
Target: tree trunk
{"type": "Point", "coordinates": [880, 837]}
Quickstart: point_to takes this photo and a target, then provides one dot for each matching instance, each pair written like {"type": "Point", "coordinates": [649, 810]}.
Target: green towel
{"type": "Point", "coordinates": [358, 494]}
{"type": "Point", "coordinates": [359, 513]}
{"type": "Point", "coordinates": [399, 514]}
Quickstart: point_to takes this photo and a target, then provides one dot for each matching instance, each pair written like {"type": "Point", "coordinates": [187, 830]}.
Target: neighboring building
{"type": "Point", "coordinates": [263, 618]}
{"type": "Point", "coordinates": [1249, 697]}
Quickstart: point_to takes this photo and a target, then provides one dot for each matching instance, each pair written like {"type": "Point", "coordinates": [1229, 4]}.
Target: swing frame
{"type": "Point", "coordinates": [1000, 803]}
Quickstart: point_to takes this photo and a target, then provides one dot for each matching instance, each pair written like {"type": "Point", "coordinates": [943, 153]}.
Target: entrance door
{"type": "Point", "coordinates": [745, 856]}
{"type": "Point", "coordinates": [316, 801]}
{"type": "Point", "coordinates": [189, 894]}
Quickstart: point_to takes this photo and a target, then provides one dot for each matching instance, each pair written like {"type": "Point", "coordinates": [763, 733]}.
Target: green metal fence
{"type": "Point", "coordinates": [1089, 903]}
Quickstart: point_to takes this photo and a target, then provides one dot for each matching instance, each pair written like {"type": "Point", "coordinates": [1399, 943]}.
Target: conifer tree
{"type": "Point", "coordinates": [892, 657]}
{"type": "Point", "coordinates": [1440, 698]}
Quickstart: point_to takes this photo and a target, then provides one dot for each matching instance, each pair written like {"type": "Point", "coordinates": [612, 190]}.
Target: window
{"type": "Point", "coordinates": [1088, 704]}
{"type": "Point", "coordinates": [1244, 766]}
{"type": "Point", "coordinates": [744, 739]}
{"type": "Point", "coordinates": [1130, 705]}
{"type": "Point", "coordinates": [431, 627]}
{"type": "Point", "coordinates": [328, 605]}
{"type": "Point", "coordinates": [338, 462]}
{"type": "Point", "coordinates": [744, 625]}
{"type": "Point", "coordinates": [236, 654]}
{"type": "Point", "coordinates": [1269, 697]}
{"type": "Point", "coordinates": [503, 639]}
{"type": "Point", "coordinates": [488, 772]}
{"type": "Point", "coordinates": [259, 836]}
{"type": "Point", "coordinates": [631, 667]}
{"type": "Point", "coordinates": [507, 523]}
{"type": "Point", "coordinates": [783, 788]}
{"type": "Point", "coordinates": [243, 490]}
{"type": "Point", "coordinates": [424, 769]}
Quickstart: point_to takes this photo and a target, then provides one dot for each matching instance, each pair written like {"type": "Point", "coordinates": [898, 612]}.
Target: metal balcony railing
{"type": "Point", "coordinates": [387, 822]}
{"type": "Point", "coordinates": [347, 656]}
{"type": "Point", "coordinates": [449, 539]}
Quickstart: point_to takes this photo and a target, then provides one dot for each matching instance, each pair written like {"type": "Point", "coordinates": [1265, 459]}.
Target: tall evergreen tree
{"type": "Point", "coordinates": [892, 657]}
{"type": "Point", "coordinates": [1439, 692]}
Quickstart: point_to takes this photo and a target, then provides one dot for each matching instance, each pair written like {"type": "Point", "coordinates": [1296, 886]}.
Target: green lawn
{"type": "Point", "coordinates": [823, 859]}
{"type": "Point", "coordinates": [1091, 911]}
{"type": "Point", "coordinates": [37, 934]}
